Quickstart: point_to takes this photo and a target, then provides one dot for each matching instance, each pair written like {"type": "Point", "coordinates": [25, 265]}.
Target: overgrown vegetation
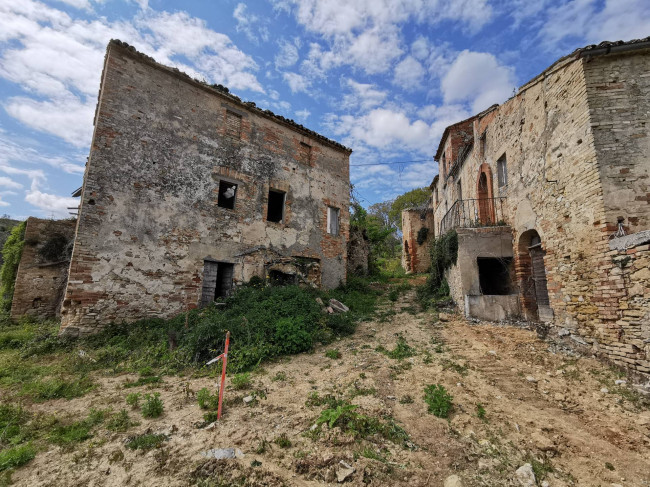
{"type": "Point", "coordinates": [401, 351]}
{"type": "Point", "coordinates": [444, 253]}
{"type": "Point", "coordinates": [11, 252]}
{"type": "Point", "coordinates": [438, 400]}
{"type": "Point", "coordinates": [152, 406]}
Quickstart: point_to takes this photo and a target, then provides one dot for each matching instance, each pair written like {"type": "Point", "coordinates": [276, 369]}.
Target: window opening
{"type": "Point", "coordinates": [227, 193]}
{"type": "Point", "coordinates": [233, 124]}
{"type": "Point", "coordinates": [279, 278]}
{"type": "Point", "coordinates": [502, 171]}
{"type": "Point", "coordinates": [494, 275]}
{"type": "Point", "coordinates": [275, 212]}
{"type": "Point", "coordinates": [332, 220]}
{"type": "Point", "coordinates": [305, 153]}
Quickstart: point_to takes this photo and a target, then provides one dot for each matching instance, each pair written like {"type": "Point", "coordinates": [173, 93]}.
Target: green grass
{"type": "Point", "coordinates": [152, 407]}
{"type": "Point", "coordinates": [401, 351]}
{"type": "Point", "coordinates": [16, 456]}
{"type": "Point", "coordinates": [58, 388]}
{"type": "Point", "coordinates": [206, 400]}
{"type": "Point", "coordinates": [144, 381]}
{"type": "Point", "coordinates": [480, 412]}
{"type": "Point", "coordinates": [133, 399]}
{"type": "Point", "coordinates": [120, 422]}
{"type": "Point", "coordinates": [241, 381]}
{"type": "Point", "coordinates": [77, 431]}
{"type": "Point", "coordinates": [438, 400]}
{"type": "Point", "coordinates": [333, 354]}
{"type": "Point", "coordinates": [372, 454]}
{"type": "Point", "coordinates": [146, 441]}
{"type": "Point", "coordinates": [283, 441]}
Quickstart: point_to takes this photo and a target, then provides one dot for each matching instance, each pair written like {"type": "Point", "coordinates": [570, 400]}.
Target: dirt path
{"type": "Point", "coordinates": [540, 408]}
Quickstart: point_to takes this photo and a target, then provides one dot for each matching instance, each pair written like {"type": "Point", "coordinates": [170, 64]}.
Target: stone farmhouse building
{"type": "Point", "coordinates": [188, 191]}
{"type": "Point", "coordinates": [549, 194]}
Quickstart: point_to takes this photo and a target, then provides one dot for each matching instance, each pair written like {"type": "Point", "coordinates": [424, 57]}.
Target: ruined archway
{"type": "Point", "coordinates": [531, 275]}
{"type": "Point", "coordinates": [484, 192]}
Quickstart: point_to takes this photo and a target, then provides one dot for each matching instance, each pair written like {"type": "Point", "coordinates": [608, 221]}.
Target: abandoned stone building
{"type": "Point", "coordinates": [549, 194]}
{"type": "Point", "coordinates": [188, 191]}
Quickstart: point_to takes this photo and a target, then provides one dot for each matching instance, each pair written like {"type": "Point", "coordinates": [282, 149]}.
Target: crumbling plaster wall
{"type": "Point", "coordinates": [149, 213]}
{"type": "Point", "coordinates": [619, 102]}
{"type": "Point", "coordinates": [40, 282]}
{"type": "Point", "coordinates": [418, 258]}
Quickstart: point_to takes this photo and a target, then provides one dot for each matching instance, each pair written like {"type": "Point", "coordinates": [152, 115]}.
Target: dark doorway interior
{"type": "Point", "coordinates": [494, 275]}
{"type": "Point", "coordinates": [279, 278]}
{"type": "Point", "coordinates": [217, 281]}
{"type": "Point", "coordinates": [225, 274]}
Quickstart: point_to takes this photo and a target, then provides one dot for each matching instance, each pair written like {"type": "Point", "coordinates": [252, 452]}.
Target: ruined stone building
{"type": "Point", "coordinates": [549, 194]}
{"type": "Point", "coordinates": [188, 191]}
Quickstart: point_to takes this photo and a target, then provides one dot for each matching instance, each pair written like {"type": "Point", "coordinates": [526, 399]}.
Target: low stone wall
{"type": "Point", "coordinates": [492, 307]}
{"type": "Point", "coordinates": [43, 269]}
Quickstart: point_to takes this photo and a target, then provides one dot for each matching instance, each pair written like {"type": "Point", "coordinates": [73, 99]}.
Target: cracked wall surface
{"type": "Point", "coordinates": [149, 214]}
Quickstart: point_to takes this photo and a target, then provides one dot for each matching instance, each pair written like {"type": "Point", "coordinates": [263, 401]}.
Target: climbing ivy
{"type": "Point", "coordinates": [444, 254]}
{"type": "Point", "coordinates": [422, 235]}
{"type": "Point", "coordinates": [11, 252]}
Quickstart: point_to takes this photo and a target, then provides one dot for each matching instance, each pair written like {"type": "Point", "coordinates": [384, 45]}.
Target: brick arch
{"type": "Point", "coordinates": [528, 294]}
{"type": "Point", "coordinates": [484, 194]}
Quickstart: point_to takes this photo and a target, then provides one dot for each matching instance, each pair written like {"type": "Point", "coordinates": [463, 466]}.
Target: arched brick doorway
{"type": "Point", "coordinates": [531, 275]}
{"type": "Point", "coordinates": [484, 191]}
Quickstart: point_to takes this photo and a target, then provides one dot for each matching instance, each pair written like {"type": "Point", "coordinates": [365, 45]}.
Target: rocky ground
{"type": "Point", "coordinates": [522, 415]}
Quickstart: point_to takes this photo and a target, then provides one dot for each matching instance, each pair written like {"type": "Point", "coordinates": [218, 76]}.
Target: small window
{"type": "Point", "coordinates": [227, 194]}
{"type": "Point", "coordinates": [333, 220]}
{"type": "Point", "coordinates": [459, 187]}
{"type": "Point", "coordinates": [305, 153]}
{"type": "Point", "coordinates": [233, 124]}
{"type": "Point", "coordinates": [435, 193]}
{"type": "Point", "coordinates": [275, 212]}
{"type": "Point", "coordinates": [502, 171]}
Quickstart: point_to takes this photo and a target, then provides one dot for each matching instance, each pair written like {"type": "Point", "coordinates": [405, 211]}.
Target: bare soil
{"type": "Point", "coordinates": [543, 408]}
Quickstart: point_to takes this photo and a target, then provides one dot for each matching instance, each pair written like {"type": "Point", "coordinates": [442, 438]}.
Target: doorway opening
{"type": "Point", "coordinates": [494, 275]}
{"type": "Point", "coordinates": [217, 280]}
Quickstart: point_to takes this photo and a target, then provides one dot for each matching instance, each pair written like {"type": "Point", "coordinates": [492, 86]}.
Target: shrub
{"type": "Point", "coordinates": [292, 336]}
{"type": "Point", "coordinates": [333, 354]}
{"type": "Point", "coordinates": [120, 421]}
{"type": "Point", "coordinates": [444, 253]}
{"type": "Point", "coordinates": [153, 406]}
{"type": "Point", "coordinates": [17, 456]}
{"type": "Point", "coordinates": [438, 400]}
{"type": "Point", "coordinates": [207, 400]}
{"type": "Point", "coordinates": [133, 399]}
{"type": "Point", "coordinates": [11, 253]}
{"type": "Point", "coordinates": [241, 381]}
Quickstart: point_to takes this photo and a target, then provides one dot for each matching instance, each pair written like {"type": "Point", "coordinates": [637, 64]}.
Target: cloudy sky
{"type": "Point", "coordinates": [383, 77]}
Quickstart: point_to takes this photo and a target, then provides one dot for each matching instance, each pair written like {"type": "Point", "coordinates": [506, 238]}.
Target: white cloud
{"type": "Point", "coordinates": [57, 60]}
{"type": "Point", "coordinates": [246, 22]}
{"type": "Point", "coordinates": [302, 114]}
{"type": "Point", "coordinates": [409, 74]}
{"type": "Point", "coordinates": [50, 203]}
{"type": "Point", "coordinates": [9, 183]}
{"type": "Point", "coordinates": [364, 96]}
{"type": "Point", "coordinates": [477, 78]}
{"type": "Point", "coordinates": [297, 83]}
{"type": "Point", "coordinates": [288, 54]}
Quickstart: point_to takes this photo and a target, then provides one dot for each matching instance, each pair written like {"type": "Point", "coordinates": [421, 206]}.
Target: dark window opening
{"type": "Point", "coordinates": [275, 211]}
{"type": "Point", "coordinates": [502, 171]}
{"type": "Point", "coordinates": [227, 193]}
{"type": "Point", "coordinates": [333, 220]}
{"type": "Point", "coordinates": [217, 281]}
{"type": "Point", "coordinates": [494, 275]}
{"type": "Point", "coordinates": [279, 278]}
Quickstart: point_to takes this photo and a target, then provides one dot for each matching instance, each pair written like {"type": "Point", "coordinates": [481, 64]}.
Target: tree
{"type": "Point", "coordinates": [412, 199]}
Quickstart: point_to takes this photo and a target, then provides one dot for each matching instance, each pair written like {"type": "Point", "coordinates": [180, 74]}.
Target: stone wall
{"type": "Point", "coordinates": [618, 88]}
{"type": "Point", "coordinates": [150, 214]}
{"type": "Point", "coordinates": [358, 252]}
{"type": "Point", "coordinates": [43, 268]}
{"type": "Point", "coordinates": [415, 255]}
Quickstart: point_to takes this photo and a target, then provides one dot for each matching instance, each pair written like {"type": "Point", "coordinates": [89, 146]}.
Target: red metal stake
{"type": "Point", "coordinates": [223, 374]}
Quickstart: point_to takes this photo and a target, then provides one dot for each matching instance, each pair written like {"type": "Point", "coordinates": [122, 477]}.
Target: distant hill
{"type": "Point", "coordinates": [6, 224]}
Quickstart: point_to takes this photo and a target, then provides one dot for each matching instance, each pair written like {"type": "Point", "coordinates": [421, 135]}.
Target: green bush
{"type": "Point", "coordinates": [438, 400]}
{"type": "Point", "coordinates": [444, 254]}
{"type": "Point", "coordinates": [120, 421]}
{"type": "Point", "coordinates": [292, 335]}
{"type": "Point", "coordinates": [133, 399]}
{"type": "Point", "coordinates": [207, 400]}
{"type": "Point", "coordinates": [16, 456]}
{"type": "Point", "coordinates": [11, 253]}
{"type": "Point", "coordinates": [333, 354]}
{"type": "Point", "coordinates": [153, 406]}
{"type": "Point", "coordinates": [241, 381]}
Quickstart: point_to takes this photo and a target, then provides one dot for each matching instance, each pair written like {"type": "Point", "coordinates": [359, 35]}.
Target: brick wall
{"type": "Point", "coordinates": [40, 281]}
{"type": "Point", "coordinates": [617, 88]}
{"type": "Point", "coordinates": [149, 214]}
{"type": "Point", "coordinates": [415, 256]}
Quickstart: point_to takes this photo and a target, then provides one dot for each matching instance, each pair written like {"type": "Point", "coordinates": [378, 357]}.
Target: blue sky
{"type": "Point", "coordinates": [383, 77]}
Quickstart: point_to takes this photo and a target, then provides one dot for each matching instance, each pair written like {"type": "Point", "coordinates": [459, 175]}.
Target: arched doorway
{"type": "Point", "coordinates": [484, 191]}
{"type": "Point", "coordinates": [531, 275]}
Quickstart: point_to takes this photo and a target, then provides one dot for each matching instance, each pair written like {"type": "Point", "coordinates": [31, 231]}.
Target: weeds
{"type": "Point", "coordinates": [143, 381]}
{"type": "Point", "coordinates": [120, 422]}
{"type": "Point", "coordinates": [455, 366]}
{"type": "Point", "coordinates": [146, 441]}
{"type": "Point", "coordinates": [133, 399]}
{"type": "Point", "coordinates": [438, 400]}
{"type": "Point", "coordinates": [372, 454]}
{"type": "Point", "coordinates": [153, 406]}
{"type": "Point", "coordinates": [480, 412]}
{"type": "Point", "coordinates": [207, 400]}
{"type": "Point", "coordinates": [279, 377]}
{"type": "Point", "coordinates": [283, 441]}
{"type": "Point", "coordinates": [401, 351]}
{"type": "Point", "coordinates": [78, 431]}
{"type": "Point", "coordinates": [16, 456]}
{"type": "Point", "coordinates": [406, 400]}
{"type": "Point", "coordinates": [58, 388]}
{"type": "Point", "coordinates": [333, 354]}
{"type": "Point", "coordinates": [241, 381]}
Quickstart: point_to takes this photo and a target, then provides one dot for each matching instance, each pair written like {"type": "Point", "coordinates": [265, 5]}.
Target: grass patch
{"type": "Point", "coordinates": [455, 366]}
{"type": "Point", "coordinates": [283, 441]}
{"type": "Point", "coordinates": [152, 406]}
{"type": "Point", "coordinates": [120, 422]}
{"type": "Point", "coordinates": [333, 354]}
{"type": "Point", "coordinates": [241, 381]}
{"type": "Point", "coordinates": [146, 441]}
{"type": "Point", "coordinates": [16, 456]}
{"type": "Point", "coordinates": [279, 377]}
{"type": "Point", "coordinates": [438, 400]}
{"type": "Point", "coordinates": [372, 454]}
{"type": "Point", "coordinates": [480, 412]}
{"type": "Point", "coordinates": [401, 351]}
{"type": "Point", "coordinates": [143, 381]}
{"type": "Point", "coordinates": [58, 388]}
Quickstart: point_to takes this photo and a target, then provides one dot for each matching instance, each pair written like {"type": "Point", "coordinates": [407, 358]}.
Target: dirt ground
{"type": "Point", "coordinates": [560, 413]}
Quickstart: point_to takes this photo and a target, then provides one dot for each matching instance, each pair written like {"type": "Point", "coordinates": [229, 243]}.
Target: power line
{"type": "Point", "coordinates": [387, 163]}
